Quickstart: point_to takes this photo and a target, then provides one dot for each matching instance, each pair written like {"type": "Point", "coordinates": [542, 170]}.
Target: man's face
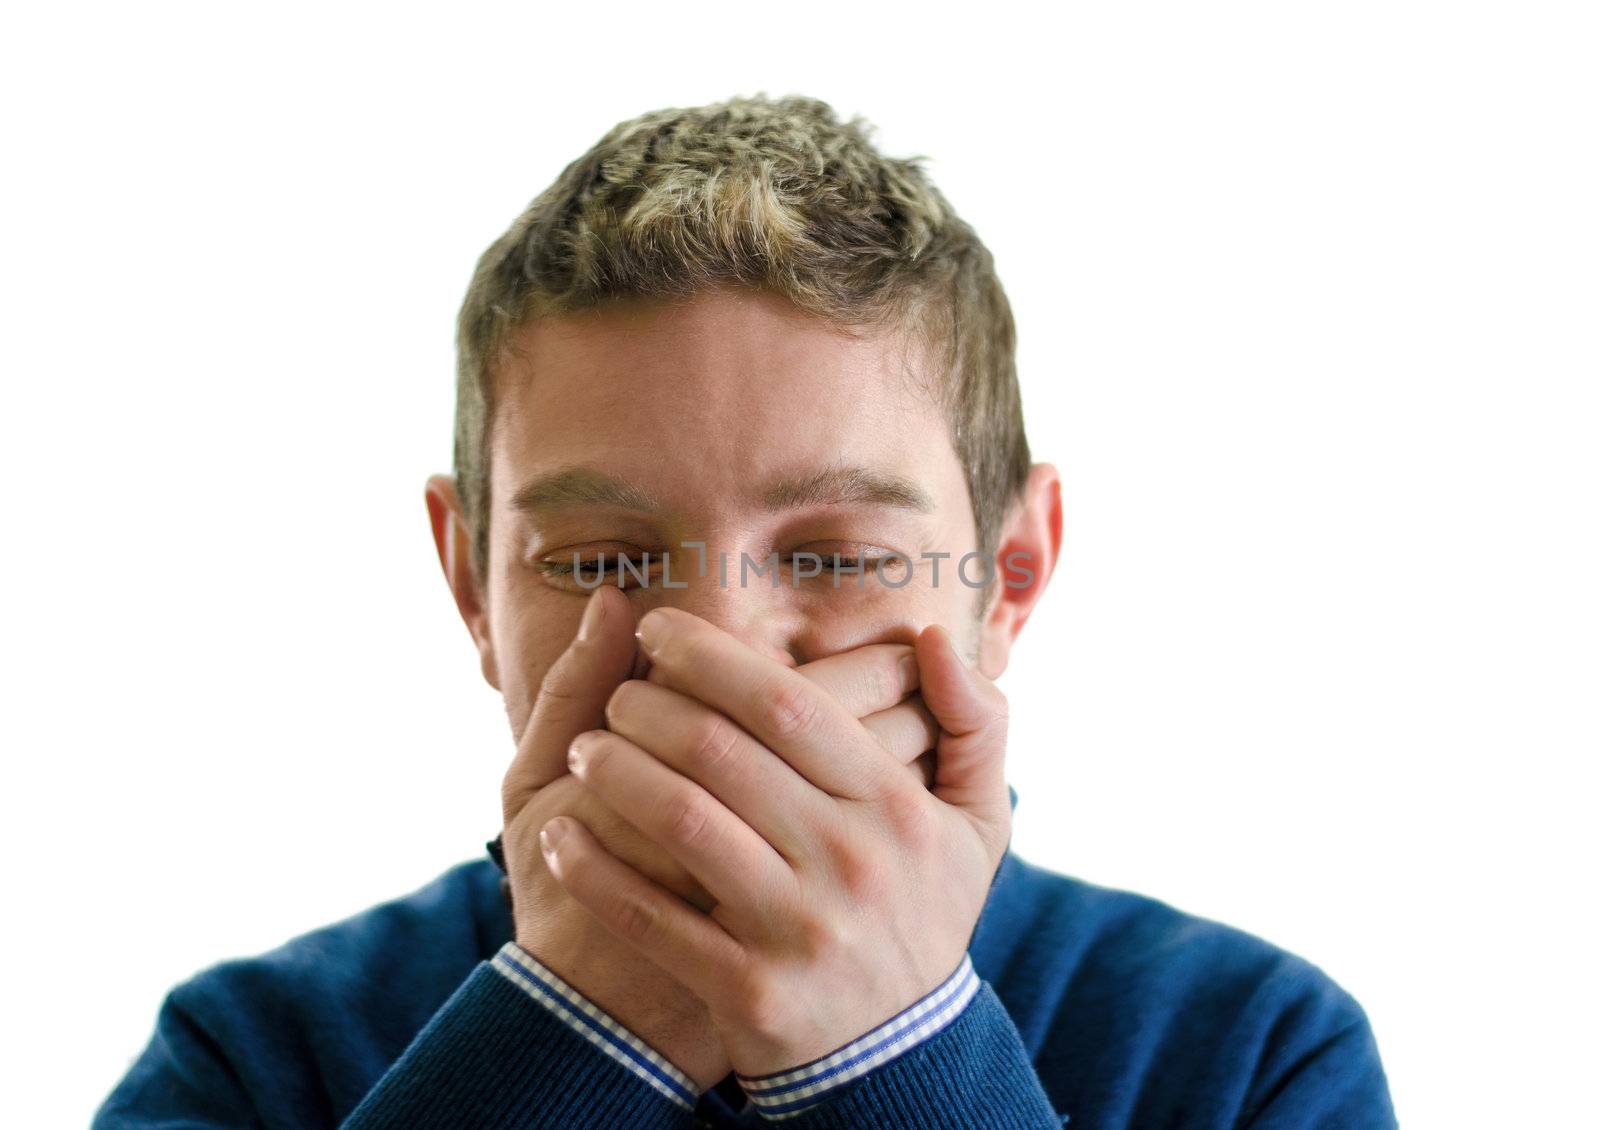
{"type": "Point", "coordinates": [738, 421]}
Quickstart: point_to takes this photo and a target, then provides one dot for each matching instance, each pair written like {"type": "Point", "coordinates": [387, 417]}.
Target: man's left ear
{"type": "Point", "coordinates": [1029, 545]}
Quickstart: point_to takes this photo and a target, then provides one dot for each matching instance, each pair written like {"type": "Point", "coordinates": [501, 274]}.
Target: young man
{"type": "Point", "coordinates": [743, 526]}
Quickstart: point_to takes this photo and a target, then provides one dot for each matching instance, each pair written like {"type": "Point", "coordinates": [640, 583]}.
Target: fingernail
{"type": "Point", "coordinates": [593, 616]}
{"type": "Point", "coordinates": [551, 835]}
{"type": "Point", "coordinates": [577, 753]}
{"type": "Point", "coordinates": [908, 670]}
{"type": "Point", "coordinates": [652, 631]}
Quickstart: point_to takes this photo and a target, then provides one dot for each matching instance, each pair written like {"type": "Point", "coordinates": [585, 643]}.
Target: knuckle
{"type": "Point", "coordinates": [688, 818]}
{"type": "Point", "coordinates": [563, 681]}
{"type": "Point", "coordinates": [883, 683]}
{"type": "Point", "coordinates": [910, 818]}
{"type": "Point", "coordinates": [513, 795]}
{"type": "Point", "coordinates": [822, 936]}
{"type": "Point", "coordinates": [761, 1005]}
{"type": "Point", "coordinates": [637, 920]}
{"type": "Point", "coordinates": [714, 741]}
{"type": "Point", "coordinates": [788, 708]}
{"type": "Point", "coordinates": [862, 877]}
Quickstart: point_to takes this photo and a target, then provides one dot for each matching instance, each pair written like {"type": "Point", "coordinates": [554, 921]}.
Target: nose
{"type": "Point", "coordinates": [756, 614]}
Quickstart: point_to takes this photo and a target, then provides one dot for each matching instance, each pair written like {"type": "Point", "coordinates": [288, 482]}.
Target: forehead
{"type": "Point", "coordinates": [711, 397]}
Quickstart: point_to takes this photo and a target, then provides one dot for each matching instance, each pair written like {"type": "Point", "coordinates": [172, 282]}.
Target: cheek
{"type": "Point", "coordinates": [528, 639]}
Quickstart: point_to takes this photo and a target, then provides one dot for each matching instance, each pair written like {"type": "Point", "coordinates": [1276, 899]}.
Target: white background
{"type": "Point", "coordinates": [1307, 304]}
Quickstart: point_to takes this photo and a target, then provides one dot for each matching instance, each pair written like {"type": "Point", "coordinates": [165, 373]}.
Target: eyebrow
{"type": "Point", "coordinates": [845, 485]}
{"type": "Point", "coordinates": [576, 487]}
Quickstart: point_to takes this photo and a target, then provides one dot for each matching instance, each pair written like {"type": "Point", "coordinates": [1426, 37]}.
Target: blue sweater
{"type": "Point", "coordinates": [1099, 1008]}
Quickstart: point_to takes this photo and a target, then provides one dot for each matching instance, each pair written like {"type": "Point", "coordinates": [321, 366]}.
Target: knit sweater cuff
{"type": "Point", "coordinates": [785, 1094]}
{"type": "Point", "coordinates": [975, 1072]}
{"type": "Point", "coordinates": [495, 1055]}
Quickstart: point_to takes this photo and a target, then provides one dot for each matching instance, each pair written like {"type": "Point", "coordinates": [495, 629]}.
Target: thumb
{"type": "Point", "coordinates": [572, 696]}
{"type": "Point", "coordinates": [972, 714]}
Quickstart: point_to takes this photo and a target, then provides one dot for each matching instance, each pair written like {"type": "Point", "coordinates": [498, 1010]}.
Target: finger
{"type": "Point", "coordinates": [572, 696]}
{"type": "Point", "coordinates": [972, 715]}
{"type": "Point", "coordinates": [735, 865]}
{"type": "Point", "coordinates": [877, 683]}
{"type": "Point", "coordinates": [866, 679]}
{"type": "Point", "coordinates": [776, 705]}
{"type": "Point", "coordinates": [907, 731]}
{"type": "Point", "coordinates": [685, 943]}
{"type": "Point", "coordinates": [713, 751]}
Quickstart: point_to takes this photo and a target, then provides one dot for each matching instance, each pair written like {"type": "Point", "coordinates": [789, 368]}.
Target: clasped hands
{"type": "Point", "coordinates": [767, 837]}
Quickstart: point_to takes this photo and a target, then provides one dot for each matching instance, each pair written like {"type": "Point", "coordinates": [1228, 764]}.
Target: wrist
{"type": "Point", "coordinates": [786, 1091]}
{"type": "Point", "coordinates": [629, 997]}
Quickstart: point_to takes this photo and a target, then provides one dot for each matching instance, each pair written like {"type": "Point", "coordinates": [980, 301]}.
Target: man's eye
{"type": "Point", "coordinates": [867, 559]}
{"type": "Point", "coordinates": [841, 560]}
{"type": "Point", "coordinates": [605, 568]}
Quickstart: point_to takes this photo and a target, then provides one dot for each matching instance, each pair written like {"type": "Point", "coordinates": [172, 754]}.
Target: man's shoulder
{"type": "Point", "coordinates": [1151, 994]}
{"type": "Point", "coordinates": [307, 1028]}
{"type": "Point", "coordinates": [1058, 931]}
{"type": "Point", "coordinates": [386, 968]}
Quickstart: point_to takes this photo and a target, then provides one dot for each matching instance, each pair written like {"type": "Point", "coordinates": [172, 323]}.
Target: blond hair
{"type": "Point", "coordinates": [769, 193]}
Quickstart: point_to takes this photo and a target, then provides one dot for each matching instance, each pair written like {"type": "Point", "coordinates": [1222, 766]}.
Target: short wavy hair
{"type": "Point", "coordinates": [775, 194]}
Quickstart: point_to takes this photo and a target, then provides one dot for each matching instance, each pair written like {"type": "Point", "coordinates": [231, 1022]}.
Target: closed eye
{"type": "Point", "coordinates": [585, 571]}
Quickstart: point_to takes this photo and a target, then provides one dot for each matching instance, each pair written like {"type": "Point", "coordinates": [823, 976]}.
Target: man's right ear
{"type": "Point", "coordinates": [454, 543]}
